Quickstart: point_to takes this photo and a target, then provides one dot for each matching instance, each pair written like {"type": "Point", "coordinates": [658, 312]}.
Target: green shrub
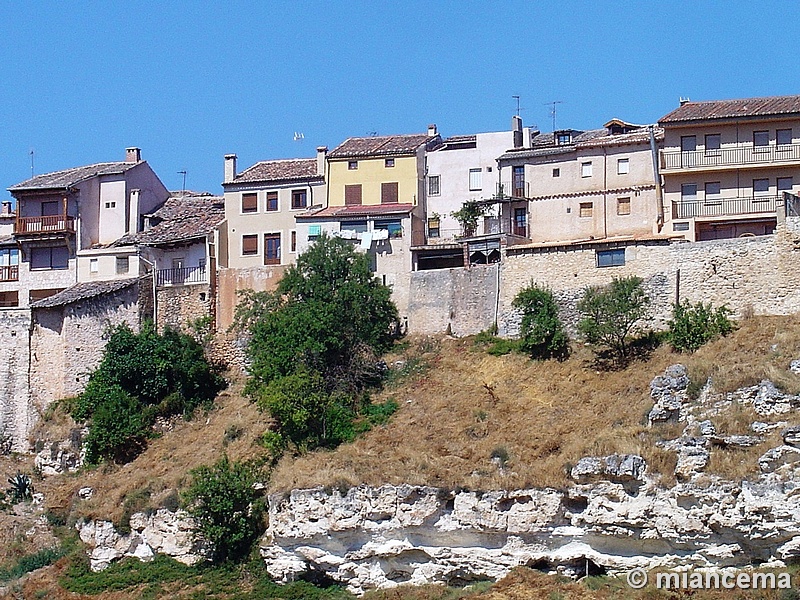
{"type": "Point", "coordinates": [21, 489]}
{"type": "Point", "coordinates": [227, 508]}
{"type": "Point", "coordinates": [612, 315]}
{"type": "Point", "coordinates": [119, 428]}
{"type": "Point", "coordinates": [542, 333]}
{"type": "Point", "coordinates": [501, 347]}
{"type": "Point", "coordinates": [31, 562]}
{"type": "Point", "coordinates": [693, 325]}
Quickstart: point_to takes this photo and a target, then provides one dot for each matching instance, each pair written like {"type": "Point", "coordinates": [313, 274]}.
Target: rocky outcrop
{"type": "Point", "coordinates": [164, 532]}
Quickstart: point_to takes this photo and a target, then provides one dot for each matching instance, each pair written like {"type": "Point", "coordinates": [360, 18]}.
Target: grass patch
{"type": "Point", "coordinates": [30, 562]}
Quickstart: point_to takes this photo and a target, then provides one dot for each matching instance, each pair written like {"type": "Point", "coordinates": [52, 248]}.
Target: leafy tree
{"type": "Point", "coordinates": [140, 377]}
{"type": "Point", "coordinates": [693, 325]}
{"type": "Point", "coordinates": [612, 314]}
{"type": "Point", "coordinates": [468, 215]}
{"type": "Point", "coordinates": [228, 509]}
{"type": "Point", "coordinates": [542, 333]}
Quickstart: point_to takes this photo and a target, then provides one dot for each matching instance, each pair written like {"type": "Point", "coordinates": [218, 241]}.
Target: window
{"type": "Point", "coordinates": [111, 204]}
{"type": "Point", "coordinates": [785, 184]}
{"type": "Point", "coordinates": [760, 187]}
{"type": "Point", "coordinates": [249, 203]}
{"type": "Point", "coordinates": [9, 299]}
{"type": "Point", "coordinates": [586, 169]}
{"type": "Point", "coordinates": [688, 192]}
{"type": "Point", "coordinates": [586, 209]}
{"type": "Point", "coordinates": [249, 245]}
{"type": "Point", "coordinates": [518, 181]}
{"type": "Point", "coordinates": [10, 256]}
{"type": "Point", "coordinates": [393, 226]}
{"type": "Point", "coordinates": [783, 137]}
{"type": "Point", "coordinates": [521, 222]}
{"type": "Point", "coordinates": [389, 193]}
{"type": "Point", "coordinates": [713, 191]}
{"type": "Point", "coordinates": [688, 143]}
{"type": "Point", "coordinates": [623, 166]}
{"type": "Point", "coordinates": [352, 165]}
{"type": "Point", "coordinates": [760, 138]}
{"type": "Point", "coordinates": [293, 246]}
{"type": "Point", "coordinates": [611, 258]}
{"type": "Point", "coordinates": [474, 179]}
{"type": "Point", "coordinates": [272, 201]}
{"type": "Point", "coordinates": [623, 206]}
{"type": "Point", "coordinates": [94, 266]}
{"type": "Point", "coordinates": [563, 137]}
{"type": "Point", "coordinates": [388, 163]}
{"type": "Point", "coordinates": [314, 231]}
{"type": "Point", "coordinates": [49, 258]}
{"type": "Point", "coordinates": [434, 185]}
{"type": "Point", "coordinates": [123, 265]}
{"type": "Point", "coordinates": [352, 194]}
{"type": "Point", "coordinates": [357, 226]}
{"type": "Point", "coordinates": [680, 226]}
{"type": "Point", "coordinates": [50, 209]}
{"type": "Point", "coordinates": [713, 141]}
{"type": "Point", "coordinates": [556, 172]}
{"type": "Point", "coordinates": [35, 295]}
{"type": "Point", "coordinates": [272, 248]}
{"type": "Point", "coordinates": [299, 199]}
{"type": "Point", "coordinates": [433, 227]}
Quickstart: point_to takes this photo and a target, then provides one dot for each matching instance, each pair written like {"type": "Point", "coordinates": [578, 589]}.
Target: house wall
{"type": "Point", "coordinates": [16, 415]}
{"type": "Point", "coordinates": [43, 279]}
{"type": "Point", "coordinates": [370, 174]}
{"type": "Point", "coordinates": [181, 305]}
{"type": "Point", "coordinates": [152, 193]}
{"type": "Point", "coordinates": [731, 134]}
{"type": "Point", "coordinates": [107, 263]}
{"type": "Point", "coordinates": [231, 281]}
{"type": "Point", "coordinates": [113, 211]}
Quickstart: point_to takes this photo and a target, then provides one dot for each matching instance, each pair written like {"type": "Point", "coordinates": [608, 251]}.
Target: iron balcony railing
{"type": "Point", "coordinates": [513, 189]}
{"type": "Point", "coordinates": [181, 276]}
{"type": "Point", "coordinates": [44, 225]}
{"type": "Point", "coordinates": [685, 209]}
{"type": "Point", "coordinates": [9, 273]}
{"type": "Point", "coordinates": [738, 155]}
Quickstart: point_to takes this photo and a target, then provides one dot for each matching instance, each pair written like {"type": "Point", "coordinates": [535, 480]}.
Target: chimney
{"type": "Point", "coordinates": [230, 168]}
{"type": "Point", "coordinates": [133, 212]}
{"type": "Point", "coordinates": [683, 100]}
{"type": "Point", "coordinates": [322, 152]}
{"type": "Point", "coordinates": [432, 131]}
{"type": "Point", "coordinates": [133, 155]}
{"type": "Point", "coordinates": [516, 130]}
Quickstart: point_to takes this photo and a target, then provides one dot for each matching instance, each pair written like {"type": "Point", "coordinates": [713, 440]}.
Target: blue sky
{"type": "Point", "coordinates": [191, 81]}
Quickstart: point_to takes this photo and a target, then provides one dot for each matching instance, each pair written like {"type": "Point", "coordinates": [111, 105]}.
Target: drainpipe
{"type": "Point", "coordinates": [605, 192]}
{"type": "Point", "coordinates": [656, 178]}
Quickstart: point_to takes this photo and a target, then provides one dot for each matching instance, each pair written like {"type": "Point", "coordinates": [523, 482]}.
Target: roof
{"type": "Point", "coordinates": [70, 177]}
{"type": "Point", "coordinates": [180, 218]}
{"type": "Point", "coordinates": [372, 210]}
{"type": "Point", "coordinates": [544, 144]}
{"type": "Point", "coordinates": [386, 145]}
{"type": "Point", "coordinates": [734, 109]}
{"type": "Point", "coordinates": [291, 169]}
{"type": "Point", "coordinates": [83, 291]}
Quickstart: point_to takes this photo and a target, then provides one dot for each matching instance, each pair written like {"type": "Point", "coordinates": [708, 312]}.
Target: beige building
{"type": "Point", "coordinates": [583, 185]}
{"type": "Point", "coordinates": [726, 164]}
{"type": "Point", "coordinates": [261, 203]}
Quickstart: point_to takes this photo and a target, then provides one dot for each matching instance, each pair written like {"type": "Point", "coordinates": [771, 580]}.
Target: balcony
{"type": "Point", "coordinates": [181, 276]}
{"type": "Point", "coordinates": [9, 273]}
{"type": "Point", "coordinates": [729, 157]}
{"type": "Point", "coordinates": [51, 224]}
{"type": "Point", "coordinates": [511, 190]}
{"type": "Point", "coordinates": [685, 209]}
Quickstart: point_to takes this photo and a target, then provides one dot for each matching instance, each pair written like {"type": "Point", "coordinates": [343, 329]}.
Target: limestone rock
{"type": "Point", "coordinates": [791, 436]}
{"type": "Point", "coordinates": [775, 458]}
{"type": "Point", "coordinates": [668, 392]}
{"type": "Point", "coordinates": [794, 366]}
{"type": "Point", "coordinates": [57, 460]}
{"type": "Point", "coordinates": [85, 493]}
{"type": "Point", "coordinates": [615, 467]}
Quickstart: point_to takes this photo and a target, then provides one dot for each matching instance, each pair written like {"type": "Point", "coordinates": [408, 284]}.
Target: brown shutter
{"type": "Point", "coordinates": [352, 194]}
{"type": "Point", "coordinates": [249, 244]}
{"type": "Point", "coordinates": [249, 203]}
{"type": "Point", "coordinates": [389, 193]}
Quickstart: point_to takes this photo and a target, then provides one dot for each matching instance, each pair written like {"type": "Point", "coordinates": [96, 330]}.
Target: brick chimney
{"type": "Point", "coordinates": [230, 168]}
{"type": "Point", "coordinates": [133, 155]}
{"type": "Point", "coordinates": [322, 152]}
{"type": "Point", "coordinates": [432, 131]}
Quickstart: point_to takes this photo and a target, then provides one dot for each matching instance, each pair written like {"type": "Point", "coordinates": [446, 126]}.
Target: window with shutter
{"type": "Point", "coordinates": [249, 203]}
{"type": "Point", "coordinates": [272, 201]}
{"type": "Point", "coordinates": [249, 245]}
{"type": "Point", "coordinates": [389, 193]}
{"type": "Point", "coordinates": [352, 194]}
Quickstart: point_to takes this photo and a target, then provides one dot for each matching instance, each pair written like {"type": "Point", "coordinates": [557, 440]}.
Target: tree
{"type": "Point", "coordinates": [468, 215]}
{"type": "Point", "coordinates": [694, 325]}
{"type": "Point", "coordinates": [612, 314]}
{"type": "Point", "coordinates": [542, 333]}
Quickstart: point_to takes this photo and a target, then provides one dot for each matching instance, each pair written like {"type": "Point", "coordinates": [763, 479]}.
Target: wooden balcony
{"type": "Point", "coordinates": [9, 273]}
{"type": "Point", "coordinates": [676, 160]}
{"type": "Point", "coordinates": [51, 224]}
{"type": "Point", "coordinates": [719, 207]}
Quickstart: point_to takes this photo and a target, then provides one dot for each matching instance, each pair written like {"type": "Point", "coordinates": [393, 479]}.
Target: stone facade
{"type": "Point", "coordinates": [178, 306]}
{"type": "Point", "coordinates": [16, 416]}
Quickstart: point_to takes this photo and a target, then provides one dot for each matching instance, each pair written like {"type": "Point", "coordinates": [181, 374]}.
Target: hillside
{"type": "Point", "coordinates": [466, 420]}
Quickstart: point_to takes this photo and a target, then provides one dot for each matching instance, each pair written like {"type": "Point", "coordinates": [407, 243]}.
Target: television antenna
{"type": "Point", "coordinates": [552, 106]}
{"type": "Point", "coordinates": [183, 189]}
{"type": "Point", "coordinates": [32, 152]}
{"type": "Point", "coordinates": [298, 136]}
{"type": "Point", "coordinates": [517, 99]}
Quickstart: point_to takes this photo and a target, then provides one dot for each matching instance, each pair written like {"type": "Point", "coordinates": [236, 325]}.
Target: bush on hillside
{"type": "Point", "coordinates": [542, 333]}
{"type": "Point", "coordinates": [142, 376]}
{"type": "Point", "coordinates": [612, 315]}
{"type": "Point", "coordinates": [693, 325]}
{"type": "Point", "coordinates": [228, 509]}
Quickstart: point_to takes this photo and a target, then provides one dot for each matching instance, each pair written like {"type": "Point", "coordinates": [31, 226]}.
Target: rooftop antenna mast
{"type": "Point", "coordinates": [31, 153]}
{"type": "Point", "coordinates": [183, 189]}
{"type": "Point", "coordinates": [552, 106]}
{"type": "Point", "coordinates": [517, 99]}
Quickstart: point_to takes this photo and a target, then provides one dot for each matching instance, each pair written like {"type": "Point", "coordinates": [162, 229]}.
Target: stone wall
{"type": "Point", "coordinates": [179, 305]}
{"type": "Point", "coordinates": [16, 417]}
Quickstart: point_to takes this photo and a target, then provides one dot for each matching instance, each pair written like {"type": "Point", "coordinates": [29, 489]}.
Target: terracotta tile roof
{"type": "Point", "coordinates": [375, 210]}
{"type": "Point", "coordinates": [638, 136]}
{"type": "Point", "coordinates": [68, 177]}
{"type": "Point", "coordinates": [734, 109]}
{"type": "Point", "coordinates": [82, 291]}
{"type": "Point", "coordinates": [386, 145]}
{"type": "Point", "coordinates": [544, 144]}
{"type": "Point", "coordinates": [291, 169]}
{"type": "Point", "coordinates": [180, 219]}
